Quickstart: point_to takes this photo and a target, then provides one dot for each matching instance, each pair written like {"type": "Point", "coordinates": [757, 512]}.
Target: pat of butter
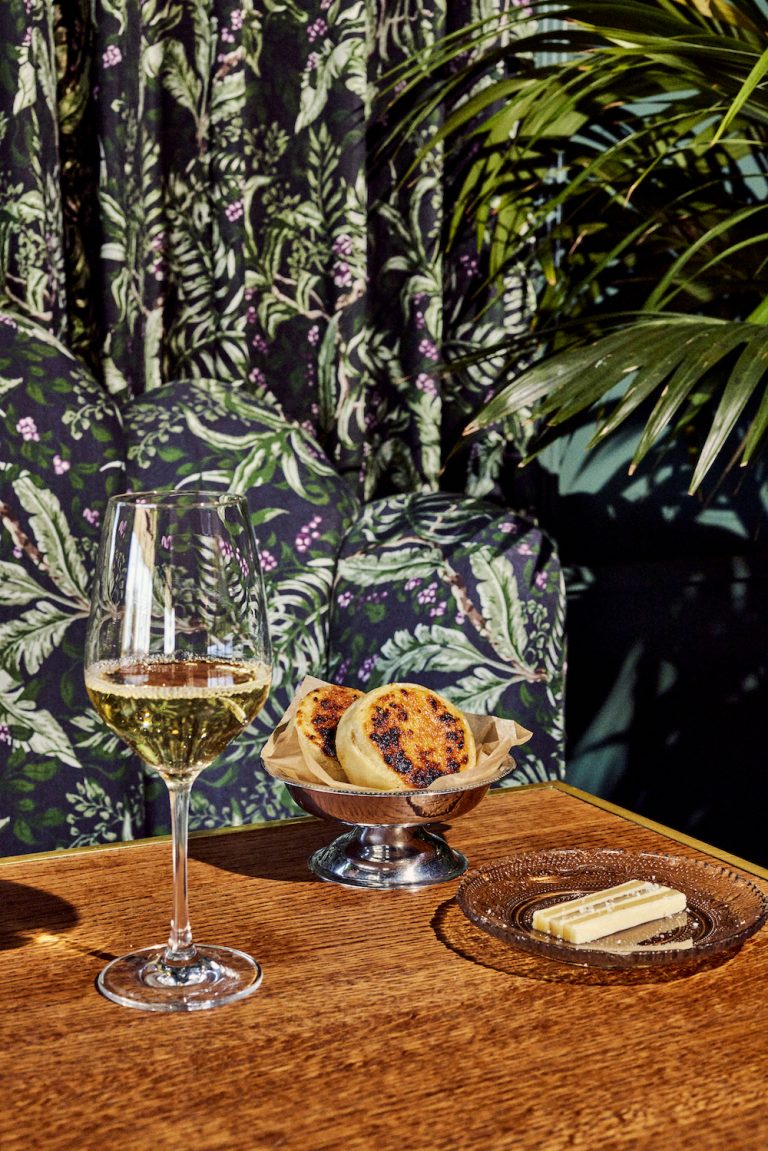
{"type": "Point", "coordinates": [605, 912]}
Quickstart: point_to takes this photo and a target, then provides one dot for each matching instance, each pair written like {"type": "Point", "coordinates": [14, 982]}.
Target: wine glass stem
{"type": "Point", "coordinates": [180, 946]}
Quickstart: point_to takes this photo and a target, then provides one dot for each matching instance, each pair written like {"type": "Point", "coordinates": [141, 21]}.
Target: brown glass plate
{"type": "Point", "coordinates": [723, 909]}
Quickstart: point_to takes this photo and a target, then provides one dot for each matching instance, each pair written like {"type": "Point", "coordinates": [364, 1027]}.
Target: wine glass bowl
{"type": "Point", "coordinates": [178, 664]}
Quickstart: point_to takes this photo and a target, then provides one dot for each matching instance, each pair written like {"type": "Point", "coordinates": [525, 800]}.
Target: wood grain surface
{"type": "Point", "coordinates": [385, 1019]}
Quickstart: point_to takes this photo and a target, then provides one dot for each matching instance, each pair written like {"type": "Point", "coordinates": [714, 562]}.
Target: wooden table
{"type": "Point", "coordinates": [385, 1019]}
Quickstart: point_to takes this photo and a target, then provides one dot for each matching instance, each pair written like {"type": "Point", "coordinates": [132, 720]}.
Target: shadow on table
{"type": "Point", "coordinates": [456, 932]}
{"type": "Point", "coordinates": [28, 913]}
{"type": "Point", "coordinates": [272, 851]}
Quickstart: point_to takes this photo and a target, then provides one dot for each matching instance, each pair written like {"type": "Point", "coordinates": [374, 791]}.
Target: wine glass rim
{"type": "Point", "coordinates": [191, 497]}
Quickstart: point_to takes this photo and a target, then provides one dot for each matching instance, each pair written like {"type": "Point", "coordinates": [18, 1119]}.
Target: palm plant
{"type": "Point", "coordinates": [617, 152]}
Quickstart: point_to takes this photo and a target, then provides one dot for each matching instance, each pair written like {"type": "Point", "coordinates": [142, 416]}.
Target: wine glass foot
{"type": "Point", "coordinates": [149, 980]}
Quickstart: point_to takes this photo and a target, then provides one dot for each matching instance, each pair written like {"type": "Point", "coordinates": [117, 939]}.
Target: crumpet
{"type": "Point", "coordinates": [317, 717]}
{"type": "Point", "coordinates": [403, 736]}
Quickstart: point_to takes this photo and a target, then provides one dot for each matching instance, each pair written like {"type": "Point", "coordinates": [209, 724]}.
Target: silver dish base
{"type": "Point", "coordinates": [389, 845]}
{"type": "Point", "coordinates": [382, 857]}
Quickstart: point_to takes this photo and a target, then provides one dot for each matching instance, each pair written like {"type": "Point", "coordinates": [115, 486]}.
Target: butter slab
{"type": "Point", "coordinates": [605, 912]}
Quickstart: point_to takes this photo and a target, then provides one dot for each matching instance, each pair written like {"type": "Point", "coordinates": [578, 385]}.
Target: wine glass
{"type": "Point", "coordinates": [178, 663]}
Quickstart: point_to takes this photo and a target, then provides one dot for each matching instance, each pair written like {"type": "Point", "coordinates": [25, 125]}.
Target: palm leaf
{"type": "Point", "coordinates": [748, 373]}
{"type": "Point", "coordinates": [618, 151]}
{"type": "Point", "coordinates": [672, 357]}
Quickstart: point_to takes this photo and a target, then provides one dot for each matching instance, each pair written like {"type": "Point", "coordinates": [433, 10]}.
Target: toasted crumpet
{"type": "Point", "coordinates": [317, 717]}
{"type": "Point", "coordinates": [403, 736]}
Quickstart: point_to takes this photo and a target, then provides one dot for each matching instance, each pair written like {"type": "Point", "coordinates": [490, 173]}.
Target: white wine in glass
{"type": "Point", "coordinates": [178, 663]}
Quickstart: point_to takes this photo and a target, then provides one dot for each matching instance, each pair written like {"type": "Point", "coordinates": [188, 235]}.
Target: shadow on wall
{"type": "Point", "coordinates": [668, 642]}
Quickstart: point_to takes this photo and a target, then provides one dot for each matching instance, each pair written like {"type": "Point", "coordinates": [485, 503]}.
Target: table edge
{"type": "Point", "coordinates": [149, 840]}
{"type": "Point", "coordinates": [652, 825]}
{"type": "Point", "coordinates": [553, 785]}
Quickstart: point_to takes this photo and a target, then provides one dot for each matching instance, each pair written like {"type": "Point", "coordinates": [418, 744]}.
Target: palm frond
{"type": "Point", "coordinates": [619, 152]}
{"type": "Point", "coordinates": [673, 356]}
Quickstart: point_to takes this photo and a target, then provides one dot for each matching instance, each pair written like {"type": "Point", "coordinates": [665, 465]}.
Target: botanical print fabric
{"type": "Point", "coordinates": [63, 454]}
{"type": "Point", "coordinates": [211, 275]}
{"type": "Point", "coordinates": [205, 434]}
{"type": "Point", "coordinates": [451, 593]}
{"type": "Point", "coordinates": [441, 589]}
{"type": "Point", "coordinates": [193, 188]}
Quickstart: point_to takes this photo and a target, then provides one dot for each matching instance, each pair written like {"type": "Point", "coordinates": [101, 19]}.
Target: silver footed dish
{"type": "Point", "coordinates": [389, 845]}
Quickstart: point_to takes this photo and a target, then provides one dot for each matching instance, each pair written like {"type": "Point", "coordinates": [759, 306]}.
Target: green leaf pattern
{"type": "Point", "coordinates": [208, 277]}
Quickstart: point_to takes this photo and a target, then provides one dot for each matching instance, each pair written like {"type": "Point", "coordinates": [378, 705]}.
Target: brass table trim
{"type": "Point", "coordinates": [661, 828]}
{"type": "Point", "coordinates": [552, 785]}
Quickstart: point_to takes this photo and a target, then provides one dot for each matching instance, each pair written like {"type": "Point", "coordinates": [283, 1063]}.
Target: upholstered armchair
{"type": "Point", "coordinates": [446, 590]}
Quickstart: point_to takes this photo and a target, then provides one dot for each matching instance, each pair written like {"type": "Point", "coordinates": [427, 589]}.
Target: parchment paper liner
{"type": "Point", "coordinates": [494, 737]}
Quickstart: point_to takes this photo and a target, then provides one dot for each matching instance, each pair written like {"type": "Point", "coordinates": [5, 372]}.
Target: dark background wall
{"type": "Point", "coordinates": [668, 639]}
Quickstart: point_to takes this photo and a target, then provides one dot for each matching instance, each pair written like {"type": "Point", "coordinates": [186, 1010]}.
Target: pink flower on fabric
{"type": "Point", "coordinates": [60, 466]}
{"type": "Point", "coordinates": [428, 348]}
{"type": "Point", "coordinates": [234, 210]}
{"type": "Point", "coordinates": [374, 596]}
{"type": "Point", "coordinates": [426, 384]}
{"type": "Point", "coordinates": [317, 29]}
{"type": "Point", "coordinates": [91, 515]}
{"type": "Point", "coordinates": [112, 56]}
{"type": "Point", "coordinates": [308, 533]}
{"type": "Point", "coordinates": [27, 428]}
{"type": "Point", "coordinates": [342, 276]}
{"type": "Point", "coordinates": [5, 733]}
{"type": "Point", "coordinates": [268, 561]}
{"type": "Point", "coordinates": [427, 594]}
{"type": "Point", "coordinates": [342, 245]}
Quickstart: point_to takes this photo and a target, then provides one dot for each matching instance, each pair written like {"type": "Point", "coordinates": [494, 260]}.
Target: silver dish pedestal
{"type": "Point", "coordinates": [389, 844]}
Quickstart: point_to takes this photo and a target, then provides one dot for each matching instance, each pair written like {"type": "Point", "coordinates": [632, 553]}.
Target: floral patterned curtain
{"type": "Point", "coordinates": [192, 188]}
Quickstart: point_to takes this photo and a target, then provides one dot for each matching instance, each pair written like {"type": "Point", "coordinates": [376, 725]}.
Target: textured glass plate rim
{"type": "Point", "coordinates": [642, 864]}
